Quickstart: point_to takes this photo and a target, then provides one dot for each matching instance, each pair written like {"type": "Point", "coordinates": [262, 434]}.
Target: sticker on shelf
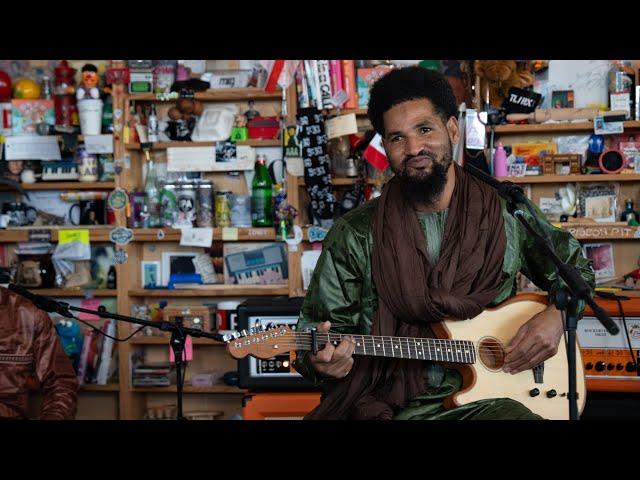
{"type": "Point", "coordinates": [187, 354]}
{"type": "Point", "coordinates": [602, 127]}
{"type": "Point", "coordinates": [117, 113]}
{"type": "Point", "coordinates": [229, 234]}
{"type": "Point", "coordinates": [121, 235]}
{"type": "Point", "coordinates": [160, 234]}
{"type": "Point", "coordinates": [39, 235]}
{"type": "Point", "coordinates": [120, 256]}
{"type": "Point", "coordinates": [196, 237]}
{"type": "Point", "coordinates": [317, 234]}
{"type": "Point", "coordinates": [100, 144]}
{"type": "Point", "coordinates": [117, 199]}
{"type": "Point", "coordinates": [68, 236]}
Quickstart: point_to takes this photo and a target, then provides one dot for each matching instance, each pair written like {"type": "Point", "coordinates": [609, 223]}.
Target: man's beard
{"type": "Point", "coordinates": [425, 189]}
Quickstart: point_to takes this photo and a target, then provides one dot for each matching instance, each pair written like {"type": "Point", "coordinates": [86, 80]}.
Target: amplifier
{"type": "Point", "coordinates": [605, 355]}
{"type": "Point", "coordinates": [276, 373]}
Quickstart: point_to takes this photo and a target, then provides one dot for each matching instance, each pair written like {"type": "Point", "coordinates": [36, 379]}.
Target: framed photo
{"type": "Point", "coordinates": [150, 274]}
{"type": "Point", "coordinates": [601, 254]}
{"type": "Point", "coordinates": [177, 262]}
{"type": "Point", "coordinates": [562, 99]}
{"type": "Point", "coordinates": [598, 201]}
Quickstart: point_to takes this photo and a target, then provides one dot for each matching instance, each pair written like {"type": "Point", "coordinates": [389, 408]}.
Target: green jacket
{"type": "Point", "coordinates": [342, 290]}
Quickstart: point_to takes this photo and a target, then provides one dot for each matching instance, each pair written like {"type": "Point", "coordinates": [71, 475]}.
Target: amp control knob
{"type": "Point", "coordinates": [631, 367]}
{"type": "Point", "coordinates": [534, 392]}
{"type": "Point", "coordinates": [610, 366]}
{"type": "Point", "coordinates": [619, 366]}
{"type": "Point", "coordinates": [588, 366]}
{"type": "Point", "coordinates": [600, 366]}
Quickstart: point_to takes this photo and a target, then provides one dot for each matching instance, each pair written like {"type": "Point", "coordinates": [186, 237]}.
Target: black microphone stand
{"type": "Point", "coordinates": [567, 298]}
{"type": "Point", "coordinates": [178, 332]}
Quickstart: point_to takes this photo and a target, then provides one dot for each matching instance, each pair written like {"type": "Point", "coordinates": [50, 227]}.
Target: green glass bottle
{"type": "Point", "coordinates": [629, 214]}
{"type": "Point", "coordinates": [152, 189]}
{"type": "Point", "coordinates": [261, 195]}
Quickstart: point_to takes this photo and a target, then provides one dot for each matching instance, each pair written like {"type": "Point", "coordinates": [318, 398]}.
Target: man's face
{"type": "Point", "coordinates": [419, 147]}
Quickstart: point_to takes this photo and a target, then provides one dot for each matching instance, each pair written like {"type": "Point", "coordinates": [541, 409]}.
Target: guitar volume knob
{"type": "Point", "coordinates": [551, 393]}
{"type": "Point", "coordinates": [534, 392]}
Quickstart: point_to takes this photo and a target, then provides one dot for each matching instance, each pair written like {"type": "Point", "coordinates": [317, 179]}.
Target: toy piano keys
{"type": "Point", "coordinates": [262, 265]}
{"type": "Point", "coordinates": [59, 171]}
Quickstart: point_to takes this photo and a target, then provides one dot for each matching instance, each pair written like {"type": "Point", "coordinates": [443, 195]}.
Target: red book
{"type": "Point", "coordinates": [274, 75]}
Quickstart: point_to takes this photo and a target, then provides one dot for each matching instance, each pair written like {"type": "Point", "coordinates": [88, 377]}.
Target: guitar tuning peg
{"type": "Point", "coordinates": [243, 333]}
{"type": "Point", "coordinates": [262, 327]}
{"type": "Point", "coordinates": [236, 334]}
{"type": "Point", "coordinates": [227, 337]}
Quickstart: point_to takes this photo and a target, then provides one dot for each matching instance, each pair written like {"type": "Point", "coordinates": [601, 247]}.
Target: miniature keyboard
{"type": "Point", "coordinates": [60, 171]}
{"type": "Point", "coordinates": [265, 265]}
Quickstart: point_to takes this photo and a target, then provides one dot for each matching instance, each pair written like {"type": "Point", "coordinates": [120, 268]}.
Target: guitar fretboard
{"type": "Point", "coordinates": [437, 350]}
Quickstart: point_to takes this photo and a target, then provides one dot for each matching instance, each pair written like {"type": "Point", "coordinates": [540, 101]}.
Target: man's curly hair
{"type": "Point", "coordinates": [410, 83]}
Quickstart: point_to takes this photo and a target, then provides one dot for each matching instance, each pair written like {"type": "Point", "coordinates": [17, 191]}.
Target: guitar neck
{"type": "Point", "coordinates": [434, 349]}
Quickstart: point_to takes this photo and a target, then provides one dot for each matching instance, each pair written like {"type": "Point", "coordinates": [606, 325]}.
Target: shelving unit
{"type": "Point", "coordinates": [68, 292]}
{"type": "Point", "coordinates": [622, 177]}
{"type": "Point", "coordinates": [148, 245]}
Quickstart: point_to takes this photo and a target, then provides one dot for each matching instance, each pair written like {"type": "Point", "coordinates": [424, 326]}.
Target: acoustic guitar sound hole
{"type": "Point", "coordinates": [491, 353]}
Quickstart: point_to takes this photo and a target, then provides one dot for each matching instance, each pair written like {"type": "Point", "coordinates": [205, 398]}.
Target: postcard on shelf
{"type": "Point", "coordinates": [30, 147]}
{"type": "Point", "coordinates": [27, 114]}
{"type": "Point", "coordinates": [562, 99]}
{"type": "Point", "coordinates": [600, 127]}
{"type": "Point", "coordinates": [601, 254]}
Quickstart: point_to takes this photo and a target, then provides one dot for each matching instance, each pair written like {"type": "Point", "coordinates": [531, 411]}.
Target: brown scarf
{"type": "Point", "coordinates": [413, 292]}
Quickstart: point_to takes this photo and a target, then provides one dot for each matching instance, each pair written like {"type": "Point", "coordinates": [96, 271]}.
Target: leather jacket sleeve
{"type": "Point", "coordinates": [55, 372]}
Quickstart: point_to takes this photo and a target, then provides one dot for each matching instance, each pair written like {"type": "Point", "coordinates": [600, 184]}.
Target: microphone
{"type": "Point", "coordinates": [43, 303]}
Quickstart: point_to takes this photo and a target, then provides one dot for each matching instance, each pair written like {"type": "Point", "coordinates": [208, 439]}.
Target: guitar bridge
{"type": "Point", "coordinates": [538, 373]}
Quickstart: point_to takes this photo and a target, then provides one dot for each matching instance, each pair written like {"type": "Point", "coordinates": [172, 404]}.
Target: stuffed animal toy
{"type": "Point", "coordinates": [497, 76]}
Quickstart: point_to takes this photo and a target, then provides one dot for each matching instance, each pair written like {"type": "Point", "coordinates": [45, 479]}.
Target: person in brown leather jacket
{"type": "Point", "coordinates": [29, 347]}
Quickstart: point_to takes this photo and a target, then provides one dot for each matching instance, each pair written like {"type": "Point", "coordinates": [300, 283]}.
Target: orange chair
{"type": "Point", "coordinates": [279, 406]}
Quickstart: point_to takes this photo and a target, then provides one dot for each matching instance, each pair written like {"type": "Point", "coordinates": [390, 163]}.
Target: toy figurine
{"type": "Point", "coordinates": [89, 84]}
{"type": "Point", "coordinates": [183, 117]}
{"type": "Point", "coordinates": [240, 132]}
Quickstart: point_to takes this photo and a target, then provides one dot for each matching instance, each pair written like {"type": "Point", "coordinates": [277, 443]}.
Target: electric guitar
{"type": "Point", "coordinates": [475, 347]}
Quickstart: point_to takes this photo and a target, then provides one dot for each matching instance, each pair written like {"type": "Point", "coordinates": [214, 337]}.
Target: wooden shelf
{"type": "Point", "coordinates": [164, 145]}
{"type": "Point", "coordinates": [222, 95]}
{"type": "Point", "coordinates": [332, 112]}
{"type": "Point", "coordinates": [622, 177]}
{"type": "Point", "coordinates": [601, 231]}
{"type": "Point", "coordinates": [222, 389]}
{"type": "Point", "coordinates": [72, 292]}
{"type": "Point", "coordinates": [173, 234]}
{"type": "Point", "coordinates": [67, 186]}
{"type": "Point", "coordinates": [555, 127]}
{"type": "Point", "coordinates": [165, 341]}
{"type": "Point", "coordinates": [213, 291]}
{"type": "Point", "coordinates": [110, 387]}
{"type": "Point", "coordinates": [21, 234]}
{"type": "Point", "coordinates": [338, 181]}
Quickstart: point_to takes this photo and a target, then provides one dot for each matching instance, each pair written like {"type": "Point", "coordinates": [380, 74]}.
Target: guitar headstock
{"type": "Point", "coordinates": [261, 343]}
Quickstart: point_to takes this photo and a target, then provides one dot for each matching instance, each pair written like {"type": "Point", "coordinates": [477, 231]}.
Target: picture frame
{"type": "Point", "coordinates": [177, 262]}
{"type": "Point", "coordinates": [150, 273]}
{"type": "Point", "coordinates": [562, 99]}
{"type": "Point", "coordinates": [598, 201]}
{"type": "Point", "coordinates": [601, 256]}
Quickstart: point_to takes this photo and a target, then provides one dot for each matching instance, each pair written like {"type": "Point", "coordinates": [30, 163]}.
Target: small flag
{"type": "Point", "coordinates": [375, 154]}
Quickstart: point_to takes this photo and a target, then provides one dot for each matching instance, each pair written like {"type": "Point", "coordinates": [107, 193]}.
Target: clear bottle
{"type": "Point", "coordinates": [152, 189]}
{"type": "Point", "coordinates": [261, 195]}
{"type": "Point", "coordinates": [152, 124]}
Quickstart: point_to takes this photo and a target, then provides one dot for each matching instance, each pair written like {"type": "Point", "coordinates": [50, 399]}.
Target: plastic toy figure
{"type": "Point", "coordinates": [89, 85]}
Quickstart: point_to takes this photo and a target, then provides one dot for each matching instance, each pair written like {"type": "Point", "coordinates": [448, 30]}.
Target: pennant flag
{"type": "Point", "coordinates": [374, 153]}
